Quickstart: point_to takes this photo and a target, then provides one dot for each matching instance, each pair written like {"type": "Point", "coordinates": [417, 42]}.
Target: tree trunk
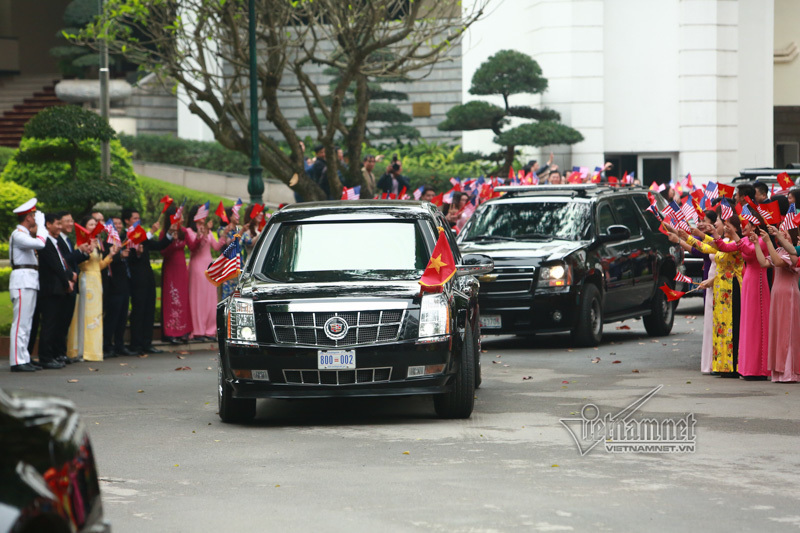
{"type": "Point", "coordinates": [508, 161]}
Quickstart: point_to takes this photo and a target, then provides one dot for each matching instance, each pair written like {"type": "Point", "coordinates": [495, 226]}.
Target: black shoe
{"type": "Point", "coordinates": [152, 349]}
{"type": "Point", "coordinates": [35, 366]}
{"type": "Point", "coordinates": [111, 355]}
{"type": "Point", "coordinates": [62, 359]}
{"type": "Point", "coordinates": [66, 361]}
{"type": "Point", "coordinates": [25, 367]}
{"type": "Point", "coordinates": [184, 339]}
{"type": "Point", "coordinates": [174, 341]}
{"type": "Point", "coordinates": [125, 351]}
{"type": "Point", "coordinates": [51, 365]}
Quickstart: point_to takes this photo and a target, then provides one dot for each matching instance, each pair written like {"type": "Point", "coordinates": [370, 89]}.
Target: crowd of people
{"type": "Point", "coordinates": [750, 247]}
{"type": "Point", "coordinates": [78, 296]}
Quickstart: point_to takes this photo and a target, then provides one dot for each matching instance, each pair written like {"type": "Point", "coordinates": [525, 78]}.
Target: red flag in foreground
{"type": "Point", "coordinates": [98, 229]}
{"type": "Point", "coordinates": [167, 201]}
{"type": "Point", "coordinates": [441, 266]}
{"type": "Point", "coordinates": [220, 212]}
{"type": "Point", "coordinates": [137, 234]}
{"type": "Point", "coordinates": [672, 294]}
{"type": "Point", "coordinates": [82, 234]}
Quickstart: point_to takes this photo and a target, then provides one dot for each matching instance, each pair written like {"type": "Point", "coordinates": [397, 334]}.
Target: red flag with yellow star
{"type": "Point", "coordinates": [672, 294]}
{"type": "Point", "coordinates": [441, 266]}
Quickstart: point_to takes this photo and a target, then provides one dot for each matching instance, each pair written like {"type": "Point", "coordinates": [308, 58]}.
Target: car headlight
{"type": "Point", "coordinates": [558, 275]}
{"type": "Point", "coordinates": [434, 316]}
{"type": "Point", "coordinates": [241, 320]}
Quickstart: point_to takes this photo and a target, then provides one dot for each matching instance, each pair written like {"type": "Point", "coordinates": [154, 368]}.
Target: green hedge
{"type": "Point", "coordinates": [5, 274]}
{"type": "Point", "coordinates": [11, 197]}
{"type": "Point", "coordinates": [173, 151]}
{"type": "Point", "coordinates": [5, 156]}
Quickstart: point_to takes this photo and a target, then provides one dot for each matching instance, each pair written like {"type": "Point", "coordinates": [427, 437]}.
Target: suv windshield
{"type": "Point", "coordinates": [531, 221]}
{"type": "Point", "coordinates": [346, 251]}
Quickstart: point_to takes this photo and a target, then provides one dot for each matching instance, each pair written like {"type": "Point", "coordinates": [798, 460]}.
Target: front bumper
{"type": "Point", "coordinates": [282, 363]}
{"type": "Point", "coordinates": [544, 311]}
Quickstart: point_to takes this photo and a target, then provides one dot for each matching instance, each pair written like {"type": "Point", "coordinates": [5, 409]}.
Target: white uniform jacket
{"type": "Point", "coordinates": [22, 250]}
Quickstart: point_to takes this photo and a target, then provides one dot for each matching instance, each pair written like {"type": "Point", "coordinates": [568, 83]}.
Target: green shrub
{"type": "Point", "coordinates": [11, 197]}
{"type": "Point", "coordinates": [5, 274]}
{"type": "Point", "coordinates": [5, 330]}
{"type": "Point", "coordinates": [70, 122]}
{"type": "Point", "coordinates": [154, 190]}
{"type": "Point", "coordinates": [3, 250]}
{"type": "Point", "coordinates": [53, 181]}
{"type": "Point", "coordinates": [5, 156]}
{"type": "Point", "coordinates": [198, 154]}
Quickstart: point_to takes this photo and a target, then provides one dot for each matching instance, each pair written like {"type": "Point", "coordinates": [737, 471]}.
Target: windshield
{"type": "Point", "coordinates": [346, 251]}
{"type": "Point", "coordinates": [531, 221]}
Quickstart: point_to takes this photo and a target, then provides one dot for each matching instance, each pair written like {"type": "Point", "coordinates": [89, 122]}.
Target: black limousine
{"type": "Point", "coordinates": [329, 305]}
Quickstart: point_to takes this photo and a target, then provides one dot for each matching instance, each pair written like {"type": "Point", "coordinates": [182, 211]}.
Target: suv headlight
{"type": "Point", "coordinates": [241, 320]}
{"type": "Point", "coordinates": [434, 316]}
{"type": "Point", "coordinates": [557, 275]}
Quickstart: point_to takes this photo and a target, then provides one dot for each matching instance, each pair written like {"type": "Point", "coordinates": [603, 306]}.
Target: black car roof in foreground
{"type": "Point", "coordinates": [356, 210]}
{"type": "Point", "coordinates": [573, 191]}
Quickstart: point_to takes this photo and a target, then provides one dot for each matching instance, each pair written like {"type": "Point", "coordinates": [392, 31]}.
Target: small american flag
{"type": "Point", "coordinates": [727, 212]}
{"type": "Point", "coordinates": [683, 278]}
{"type": "Point", "coordinates": [177, 218]}
{"type": "Point", "coordinates": [788, 221]}
{"type": "Point", "coordinates": [202, 212]}
{"type": "Point", "coordinates": [654, 209]}
{"type": "Point", "coordinates": [712, 191]}
{"type": "Point", "coordinates": [677, 214]}
{"type": "Point", "coordinates": [353, 193]}
{"type": "Point", "coordinates": [418, 193]}
{"type": "Point", "coordinates": [113, 234]}
{"type": "Point", "coordinates": [227, 265]}
{"type": "Point", "coordinates": [748, 216]}
{"type": "Point", "coordinates": [688, 212]}
{"type": "Point", "coordinates": [236, 207]}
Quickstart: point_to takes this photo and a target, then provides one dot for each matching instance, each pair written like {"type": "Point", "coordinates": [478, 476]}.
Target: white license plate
{"type": "Point", "coordinates": [336, 359]}
{"type": "Point", "coordinates": [491, 321]}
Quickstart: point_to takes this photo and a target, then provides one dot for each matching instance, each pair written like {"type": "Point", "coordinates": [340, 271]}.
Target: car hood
{"type": "Point", "coordinates": [533, 252]}
{"type": "Point", "coordinates": [263, 291]}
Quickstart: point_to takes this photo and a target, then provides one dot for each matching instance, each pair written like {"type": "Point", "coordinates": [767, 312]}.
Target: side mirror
{"type": "Point", "coordinates": [616, 233]}
{"type": "Point", "coordinates": [475, 265]}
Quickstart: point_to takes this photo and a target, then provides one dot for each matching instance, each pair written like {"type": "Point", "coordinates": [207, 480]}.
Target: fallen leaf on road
{"type": "Point", "coordinates": [180, 357]}
{"type": "Point", "coordinates": [140, 391]}
{"type": "Point", "coordinates": [596, 360]}
{"type": "Point", "coordinates": [635, 371]}
{"type": "Point", "coordinates": [123, 364]}
{"type": "Point", "coordinates": [276, 486]}
{"type": "Point", "coordinates": [183, 368]}
{"type": "Point", "coordinates": [506, 366]}
{"type": "Point", "coordinates": [406, 453]}
{"type": "Point", "coordinates": [72, 381]}
{"type": "Point", "coordinates": [688, 382]}
{"type": "Point", "coordinates": [498, 356]}
{"type": "Point", "coordinates": [612, 353]}
{"type": "Point", "coordinates": [94, 369]}
{"type": "Point", "coordinates": [484, 351]}
{"type": "Point", "coordinates": [495, 362]}
{"type": "Point", "coordinates": [209, 368]}
{"type": "Point", "coordinates": [641, 344]}
{"type": "Point", "coordinates": [184, 352]}
{"type": "Point", "coordinates": [565, 382]}
{"type": "Point", "coordinates": [570, 350]}
{"type": "Point", "coordinates": [616, 362]}
{"type": "Point", "coordinates": [143, 356]}
{"type": "Point", "coordinates": [176, 465]}
{"type": "Point", "coordinates": [554, 466]}
{"type": "Point", "coordinates": [624, 326]}
{"type": "Point", "coordinates": [526, 378]}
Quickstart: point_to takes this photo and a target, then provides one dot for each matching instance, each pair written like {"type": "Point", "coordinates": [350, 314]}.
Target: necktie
{"type": "Point", "coordinates": [63, 262]}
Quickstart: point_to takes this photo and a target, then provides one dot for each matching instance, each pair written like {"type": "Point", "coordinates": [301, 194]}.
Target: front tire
{"type": "Point", "coordinates": [659, 322]}
{"type": "Point", "coordinates": [459, 402]}
{"type": "Point", "coordinates": [589, 331]}
{"type": "Point", "coordinates": [234, 410]}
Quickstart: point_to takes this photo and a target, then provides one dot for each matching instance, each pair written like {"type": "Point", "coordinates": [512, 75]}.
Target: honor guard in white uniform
{"type": "Point", "coordinates": [23, 284]}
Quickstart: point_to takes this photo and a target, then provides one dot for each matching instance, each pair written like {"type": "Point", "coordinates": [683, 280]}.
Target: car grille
{"type": "Point", "coordinates": [510, 280]}
{"type": "Point", "coordinates": [365, 327]}
{"type": "Point", "coordinates": [337, 377]}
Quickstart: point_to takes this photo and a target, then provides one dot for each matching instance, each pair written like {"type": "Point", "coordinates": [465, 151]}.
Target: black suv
{"type": "Point", "coordinates": [571, 258]}
{"type": "Point", "coordinates": [329, 304]}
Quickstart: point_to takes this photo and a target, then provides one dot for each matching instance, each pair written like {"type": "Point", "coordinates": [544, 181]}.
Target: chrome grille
{"type": "Point", "coordinates": [365, 327]}
{"type": "Point", "coordinates": [337, 377]}
{"type": "Point", "coordinates": [510, 280]}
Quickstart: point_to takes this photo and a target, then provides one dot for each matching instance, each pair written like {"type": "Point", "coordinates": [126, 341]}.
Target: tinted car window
{"type": "Point", "coordinates": [335, 251]}
{"type": "Point", "coordinates": [643, 203]}
{"type": "Point", "coordinates": [627, 214]}
{"type": "Point", "coordinates": [547, 219]}
{"type": "Point", "coordinates": [605, 218]}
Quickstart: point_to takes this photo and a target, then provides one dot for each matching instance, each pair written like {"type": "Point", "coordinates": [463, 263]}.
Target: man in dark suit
{"type": "Point", "coordinates": [142, 286]}
{"type": "Point", "coordinates": [116, 293]}
{"type": "Point", "coordinates": [73, 256]}
{"type": "Point", "coordinates": [55, 287]}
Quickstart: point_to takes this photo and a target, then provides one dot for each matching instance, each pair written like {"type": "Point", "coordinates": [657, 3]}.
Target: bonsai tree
{"type": "Point", "coordinates": [507, 73]}
{"type": "Point", "coordinates": [59, 158]}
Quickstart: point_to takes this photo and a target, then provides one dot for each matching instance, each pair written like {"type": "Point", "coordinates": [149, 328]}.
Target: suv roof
{"type": "Point", "coordinates": [584, 190]}
{"type": "Point", "coordinates": [768, 175]}
{"type": "Point", "coordinates": [362, 209]}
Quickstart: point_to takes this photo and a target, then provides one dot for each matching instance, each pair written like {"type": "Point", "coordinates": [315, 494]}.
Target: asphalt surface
{"type": "Point", "coordinates": [168, 464]}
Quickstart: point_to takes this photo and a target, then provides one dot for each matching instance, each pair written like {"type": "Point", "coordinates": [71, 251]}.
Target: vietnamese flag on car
{"type": "Point", "coordinates": [441, 266]}
{"type": "Point", "coordinates": [672, 294]}
{"type": "Point", "coordinates": [220, 212]}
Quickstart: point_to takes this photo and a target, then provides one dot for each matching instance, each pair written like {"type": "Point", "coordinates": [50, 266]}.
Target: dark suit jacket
{"type": "Point", "coordinates": [140, 264]}
{"type": "Point", "coordinates": [53, 279]}
{"type": "Point", "coordinates": [385, 183]}
{"type": "Point", "coordinates": [116, 278]}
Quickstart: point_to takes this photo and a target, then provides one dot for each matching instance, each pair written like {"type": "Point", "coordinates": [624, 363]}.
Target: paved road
{"type": "Point", "coordinates": [168, 463]}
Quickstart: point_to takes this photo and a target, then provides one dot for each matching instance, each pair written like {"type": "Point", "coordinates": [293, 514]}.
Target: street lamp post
{"type": "Point", "coordinates": [105, 150]}
{"type": "Point", "coordinates": [255, 185]}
